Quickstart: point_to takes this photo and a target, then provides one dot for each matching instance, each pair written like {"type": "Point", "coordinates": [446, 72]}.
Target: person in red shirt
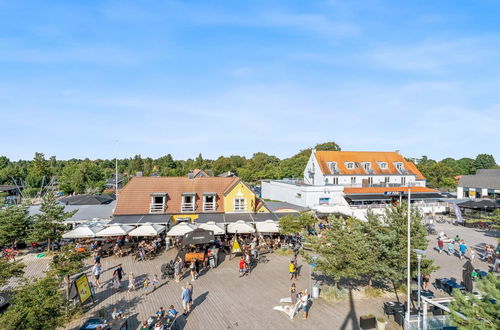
{"type": "Point", "coordinates": [242, 266]}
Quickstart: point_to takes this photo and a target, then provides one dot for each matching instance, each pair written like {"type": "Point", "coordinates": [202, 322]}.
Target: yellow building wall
{"type": "Point", "coordinates": [190, 216]}
{"type": "Point", "coordinates": [239, 191]}
{"type": "Point", "coordinates": [262, 209]}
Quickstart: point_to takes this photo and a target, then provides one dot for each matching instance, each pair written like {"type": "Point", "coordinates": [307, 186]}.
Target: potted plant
{"type": "Point", "coordinates": [367, 321]}
{"type": "Point", "coordinates": [381, 323]}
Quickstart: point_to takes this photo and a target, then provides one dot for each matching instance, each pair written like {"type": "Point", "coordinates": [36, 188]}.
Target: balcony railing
{"type": "Point", "coordinates": [209, 207]}
{"type": "Point", "coordinates": [188, 207]}
{"type": "Point", "coordinates": [156, 208]}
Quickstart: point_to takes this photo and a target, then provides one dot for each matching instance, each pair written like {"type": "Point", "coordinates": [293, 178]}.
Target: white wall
{"type": "Point", "coordinates": [460, 192]}
{"type": "Point", "coordinates": [345, 180]}
{"type": "Point", "coordinates": [313, 166]}
{"type": "Point", "coordinates": [303, 195]}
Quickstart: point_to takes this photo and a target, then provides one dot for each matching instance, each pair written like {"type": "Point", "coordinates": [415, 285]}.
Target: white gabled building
{"type": "Point", "coordinates": [356, 169]}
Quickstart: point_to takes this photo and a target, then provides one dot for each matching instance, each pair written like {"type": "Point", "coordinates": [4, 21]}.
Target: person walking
{"type": "Point", "coordinates": [145, 284]}
{"type": "Point", "coordinates": [192, 268]}
{"type": "Point", "coordinates": [463, 248]}
{"type": "Point", "coordinates": [96, 271]}
{"type": "Point", "coordinates": [293, 294]}
{"type": "Point", "coordinates": [242, 266]}
{"type": "Point", "coordinates": [440, 244]}
{"type": "Point", "coordinates": [120, 272]}
{"type": "Point", "coordinates": [425, 281]}
{"type": "Point", "coordinates": [293, 270]}
{"type": "Point", "coordinates": [185, 300]}
{"type": "Point", "coordinates": [177, 271]}
{"type": "Point", "coordinates": [154, 282]}
{"type": "Point", "coordinates": [131, 282]}
{"type": "Point", "coordinates": [451, 248]}
{"type": "Point", "coordinates": [190, 288]}
{"type": "Point", "coordinates": [304, 298]}
{"type": "Point", "coordinates": [116, 282]}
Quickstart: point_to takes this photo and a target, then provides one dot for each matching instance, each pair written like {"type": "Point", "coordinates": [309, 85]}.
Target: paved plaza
{"type": "Point", "coordinates": [222, 300]}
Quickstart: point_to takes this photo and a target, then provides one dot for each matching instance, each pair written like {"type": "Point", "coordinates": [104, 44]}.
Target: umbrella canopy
{"type": "Point", "coordinates": [268, 226]}
{"type": "Point", "coordinates": [115, 230]}
{"type": "Point", "coordinates": [83, 231]}
{"type": "Point", "coordinates": [147, 229]}
{"type": "Point", "coordinates": [240, 227]}
{"type": "Point", "coordinates": [198, 236]}
{"type": "Point", "coordinates": [211, 225]}
{"type": "Point", "coordinates": [181, 229]}
{"type": "Point", "coordinates": [480, 205]}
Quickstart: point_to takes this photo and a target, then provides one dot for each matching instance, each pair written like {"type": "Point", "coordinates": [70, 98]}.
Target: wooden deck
{"type": "Point", "coordinates": [222, 300]}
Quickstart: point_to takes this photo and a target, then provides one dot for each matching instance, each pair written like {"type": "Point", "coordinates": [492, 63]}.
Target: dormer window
{"type": "Point", "coordinates": [188, 202]}
{"type": "Point", "coordinates": [399, 166]}
{"type": "Point", "coordinates": [209, 204]}
{"type": "Point", "coordinates": [349, 165]}
{"type": "Point", "coordinates": [333, 167]}
{"type": "Point", "coordinates": [367, 166]}
{"type": "Point", "coordinates": [158, 203]}
{"type": "Point", "coordinates": [382, 165]}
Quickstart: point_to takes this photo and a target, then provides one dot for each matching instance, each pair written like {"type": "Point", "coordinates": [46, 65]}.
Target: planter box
{"type": "Point", "coordinates": [367, 322]}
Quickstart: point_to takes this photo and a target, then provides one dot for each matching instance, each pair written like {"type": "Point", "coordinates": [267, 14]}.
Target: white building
{"type": "Point", "coordinates": [485, 184]}
{"type": "Point", "coordinates": [349, 183]}
{"type": "Point", "coordinates": [361, 169]}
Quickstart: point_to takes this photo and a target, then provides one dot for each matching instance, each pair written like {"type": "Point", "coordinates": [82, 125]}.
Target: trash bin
{"type": "Point", "coordinates": [315, 292]}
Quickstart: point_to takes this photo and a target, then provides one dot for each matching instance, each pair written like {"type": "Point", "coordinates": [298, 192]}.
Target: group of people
{"type": "Point", "coordinates": [450, 246]}
{"type": "Point", "coordinates": [303, 296]}
{"type": "Point", "coordinates": [163, 318]}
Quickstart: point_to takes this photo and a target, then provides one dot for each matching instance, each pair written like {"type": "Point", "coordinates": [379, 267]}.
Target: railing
{"type": "Point", "coordinates": [188, 207]}
{"type": "Point", "coordinates": [240, 207]}
{"type": "Point", "coordinates": [157, 208]}
{"type": "Point", "coordinates": [208, 207]}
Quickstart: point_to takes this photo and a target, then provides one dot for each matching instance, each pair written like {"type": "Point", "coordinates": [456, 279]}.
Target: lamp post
{"type": "Point", "coordinates": [408, 275]}
{"type": "Point", "coordinates": [419, 253]}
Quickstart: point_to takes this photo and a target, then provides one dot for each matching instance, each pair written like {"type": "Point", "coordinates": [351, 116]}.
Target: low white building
{"type": "Point", "coordinates": [485, 184]}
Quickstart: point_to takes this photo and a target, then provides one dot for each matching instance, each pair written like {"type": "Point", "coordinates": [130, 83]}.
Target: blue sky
{"type": "Point", "coordinates": [237, 77]}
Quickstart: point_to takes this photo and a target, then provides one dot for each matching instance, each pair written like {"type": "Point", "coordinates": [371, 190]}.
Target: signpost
{"type": "Point", "coordinates": [312, 265]}
{"type": "Point", "coordinates": [83, 288]}
{"type": "Point", "coordinates": [395, 193]}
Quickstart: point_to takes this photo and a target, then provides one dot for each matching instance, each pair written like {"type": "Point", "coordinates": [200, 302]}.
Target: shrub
{"type": "Point", "coordinates": [371, 292]}
{"type": "Point", "coordinates": [334, 294]}
{"type": "Point", "coordinates": [284, 252]}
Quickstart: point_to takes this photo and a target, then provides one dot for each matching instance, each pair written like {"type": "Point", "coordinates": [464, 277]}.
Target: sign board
{"type": "Point", "coordinates": [236, 247]}
{"type": "Point", "coordinates": [83, 288]}
{"type": "Point", "coordinates": [393, 193]}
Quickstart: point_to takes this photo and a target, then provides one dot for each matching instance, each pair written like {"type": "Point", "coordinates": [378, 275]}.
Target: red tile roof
{"type": "Point", "coordinates": [341, 157]}
{"type": "Point", "coordinates": [135, 197]}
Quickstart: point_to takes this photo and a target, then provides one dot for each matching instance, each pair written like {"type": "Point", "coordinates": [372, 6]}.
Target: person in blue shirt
{"type": "Point", "coordinates": [160, 313]}
{"type": "Point", "coordinates": [171, 313]}
{"type": "Point", "coordinates": [463, 248]}
{"type": "Point", "coordinates": [185, 296]}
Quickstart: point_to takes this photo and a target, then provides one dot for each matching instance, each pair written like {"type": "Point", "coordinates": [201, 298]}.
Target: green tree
{"type": "Point", "coordinates": [84, 177]}
{"type": "Point", "coordinates": [49, 225]}
{"type": "Point", "coordinates": [466, 166]}
{"type": "Point", "coordinates": [290, 224]}
{"type": "Point", "coordinates": [35, 306]}
{"type": "Point", "coordinates": [38, 172]}
{"type": "Point", "coordinates": [438, 175]}
{"type": "Point", "coordinates": [327, 146]}
{"type": "Point", "coordinates": [485, 161]}
{"type": "Point", "coordinates": [4, 162]}
{"type": "Point", "coordinates": [341, 249]}
{"type": "Point", "coordinates": [10, 269]}
{"type": "Point", "coordinates": [222, 165]}
{"type": "Point", "coordinates": [136, 165]}
{"type": "Point", "coordinates": [67, 262]}
{"type": "Point", "coordinates": [480, 313]}
{"type": "Point", "coordinates": [15, 224]}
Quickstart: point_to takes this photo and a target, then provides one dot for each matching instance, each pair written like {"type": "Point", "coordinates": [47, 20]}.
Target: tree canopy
{"type": "Point", "coordinates": [15, 225]}
{"type": "Point", "coordinates": [293, 224]}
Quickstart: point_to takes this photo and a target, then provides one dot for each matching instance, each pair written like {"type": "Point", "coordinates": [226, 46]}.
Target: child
{"type": "Point", "coordinates": [145, 284]}
{"type": "Point", "coordinates": [154, 282]}
{"type": "Point", "coordinates": [160, 313]}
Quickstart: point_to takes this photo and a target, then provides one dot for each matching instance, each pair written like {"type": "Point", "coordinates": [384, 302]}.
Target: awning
{"type": "Point", "coordinates": [147, 229]}
{"type": "Point", "coordinates": [382, 197]}
{"type": "Point", "coordinates": [83, 231]}
{"type": "Point", "coordinates": [181, 229]}
{"type": "Point", "coordinates": [240, 227]}
{"type": "Point", "coordinates": [141, 218]}
{"type": "Point", "coordinates": [233, 217]}
{"type": "Point", "coordinates": [261, 217]}
{"type": "Point", "coordinates": [268, 226]}
{"type": "Point", "coordinates": [115, 230]}
{"type": "Point", "coordinates": [210, 217]}
{"type": "Point", "coordinates": [216, 228]}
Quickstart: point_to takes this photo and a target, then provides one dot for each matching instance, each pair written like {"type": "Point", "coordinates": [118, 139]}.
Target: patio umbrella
{"type": "Point", "coordinates": [147, 229]}
{"type": "Point", "coordinates": [467, 276]}
{"type": "Point", "coordinates": [181, 229]}
{"type": "Point", "coordinates": [268, 226]}
{"type": "Point", "coordinates": [240, 227]}
{"type": "Point", "coordinates": [198, 236]}
{"type": "Point", "coordinates": [115, 230]}
{"type": "Point", "coordinates": [211, 225]}
{"type": "Point", "coordinates": [83, 231]}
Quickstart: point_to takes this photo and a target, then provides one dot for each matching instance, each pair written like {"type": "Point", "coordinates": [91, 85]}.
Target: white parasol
{"type": "Point", "coordinates": [240, 227]}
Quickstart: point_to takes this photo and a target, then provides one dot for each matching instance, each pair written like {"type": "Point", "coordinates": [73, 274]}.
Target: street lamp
{"type": "Point", "coordinates": [419, 253]}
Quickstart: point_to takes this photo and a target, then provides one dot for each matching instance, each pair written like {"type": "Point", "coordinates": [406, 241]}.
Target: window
{"type": "Point", "coordinates": [399, 166]}
{"type": "Point", "coordinates": [403, 181]}
{"type": "Point", "coordinates": [387, 179]}
{"type": "Point", "coordinates": [209, 203]}
{"type": "Point", "coordinates": [326, 180]}
{"type": "Point", "coordinates": [188, 202]}
{"type": "Point", "coordinates": [370, 180]}
{"type": "Point", "coordinates": [382, 165]}
{"type": "Point", "coordinates": [335, 180]}
{"type": "Point", "coordinates": [353, 179]}
{"type": "Point", "coordinates": [239, 204]}
{"type": "Point", "coordinates": [367, 166]}
{"type": "Point", "coordinates": [332, 166]}
{"type": "Point", "coordinates": [324, 200]}
{"type": "Point", "coordinates": [349, 165]}
{"type": "Point", "coordinates": [158, 201]}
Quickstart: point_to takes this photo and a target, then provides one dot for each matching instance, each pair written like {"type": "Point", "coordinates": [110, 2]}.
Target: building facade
{"type": "Point", "coordinates": [484, 184]}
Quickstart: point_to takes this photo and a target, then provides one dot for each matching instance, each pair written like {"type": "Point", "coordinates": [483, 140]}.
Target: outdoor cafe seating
{"type": "Point", "coordinates": [448, 285]}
